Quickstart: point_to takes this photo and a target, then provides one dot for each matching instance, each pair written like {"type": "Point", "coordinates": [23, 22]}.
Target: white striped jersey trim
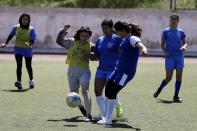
{"type": "Point", "coordinates": [111, 74]}
{"type": "Point", "coordinates": [123, 79]}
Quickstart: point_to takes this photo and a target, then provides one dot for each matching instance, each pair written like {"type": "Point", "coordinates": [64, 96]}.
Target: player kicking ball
{"type": "Point", "coordinates": [126, 66]}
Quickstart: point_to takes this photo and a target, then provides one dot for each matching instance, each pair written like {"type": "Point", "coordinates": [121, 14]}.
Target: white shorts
{"type": "Point", "coordinates": [78, 76]}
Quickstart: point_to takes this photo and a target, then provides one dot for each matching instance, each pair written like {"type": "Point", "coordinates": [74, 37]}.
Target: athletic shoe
{"type": "Point", "coordinates": [119, 110]}
{"type": "Point", "coordinates": [83, 110]}
{"type": "Point", "coordinates": [98, 117]}
{"type": "Point", "coordinates": [155, 95]}
{"type": "Point", "coordinates": [105, 121]}
{"type": "Point", "coordinates": [18, 84]}
{"type": "Point", "coordinates": [177, 99]}
{"type": "Point", "coordinates": [31, 84]}
{"type": "Point", "coordinates": [88, 118]}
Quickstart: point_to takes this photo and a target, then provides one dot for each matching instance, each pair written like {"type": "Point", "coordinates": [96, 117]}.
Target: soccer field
{"type": "Point", "coordinates": [44, 107]}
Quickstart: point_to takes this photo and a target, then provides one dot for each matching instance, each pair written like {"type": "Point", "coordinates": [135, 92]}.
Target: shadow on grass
{"type": "Point", "coordinates": [116, 124]}
{"type": "Point", "coordinates": [72, 119]}
{"type": "Point", "coordinates": [121, 125]}
{"type": "Point", "coordinates": [16, 90]}
{"type": "Point", "coordinates": [166, 101]}
{"type": "Point", "coordinates": [70, 125]}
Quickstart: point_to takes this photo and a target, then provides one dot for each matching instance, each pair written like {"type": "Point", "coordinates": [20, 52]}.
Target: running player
{"type": "Point", "coordinates": [173, 45]}
{"type": "Point", "coordinates": [25, 38]}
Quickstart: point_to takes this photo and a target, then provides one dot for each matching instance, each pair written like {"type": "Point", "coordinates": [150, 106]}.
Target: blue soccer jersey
{"type": "Point", "coordinates": [107, 50]}
{"type": "Point", "coordinates": [173, 40]}
{"type": "Point", "coordinates": [127, 62]}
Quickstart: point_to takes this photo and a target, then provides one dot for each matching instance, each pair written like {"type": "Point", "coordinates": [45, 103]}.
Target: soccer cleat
{"type": "Point", "coordinates": [18, 84]}
{"type": "Point", "coordinates": [105, 121]}
{"type": "Point", "coordinates": [31, 84]}
{"type": "Point", "coordinates": [88, 118]}
{"type": "Point", "coordinates": [119, 110]}
{"type": "Point", "coordinates": [97, 118]}
{"type": "Point", "coordinates": [83, 110]}
{"type": "Point", "coordinates": [177, 99]}
{"type": "Point", "coordinates": [155, 95]}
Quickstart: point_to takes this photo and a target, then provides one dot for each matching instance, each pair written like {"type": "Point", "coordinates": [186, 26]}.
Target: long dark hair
{"type": "Point", "coordinates": [82, 29]}
{"type": "Point", "coordinates": [20, 21]}
{"type": "Point", "coordinates": [135, 29]}
{"type": "Point", "coordinates": [132, 28]}
{"type": "Point", "coordinates": [121, 25]}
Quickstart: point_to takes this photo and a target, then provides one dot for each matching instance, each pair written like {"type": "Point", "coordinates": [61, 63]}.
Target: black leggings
{"type": "Point", "coordinates": [112, 89]}
{"type": "Point", "coordinates": [19, 62]}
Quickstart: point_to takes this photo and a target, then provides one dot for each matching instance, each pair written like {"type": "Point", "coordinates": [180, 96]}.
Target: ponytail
{"type": "Point", "coordinates": [135, 30]}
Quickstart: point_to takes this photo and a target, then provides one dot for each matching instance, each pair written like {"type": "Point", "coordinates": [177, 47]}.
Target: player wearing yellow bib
{"type": "Point", "coordinates": [25, 37]}
{"type": "Point", "coordinates": [78, 56]}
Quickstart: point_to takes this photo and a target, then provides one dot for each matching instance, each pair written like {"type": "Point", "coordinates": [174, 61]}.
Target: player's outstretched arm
{"type": "Point", "coordinates": [60, 40]}
{"type": "Point", "coordinates": [142, 48]}
{"type": "Point", "coordinates": [7, 41]}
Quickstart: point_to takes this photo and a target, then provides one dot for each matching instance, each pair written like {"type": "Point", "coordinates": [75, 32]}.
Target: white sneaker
{"type": "Point", "coordinates": [105, 121]}
{"type": "Point", "coordinates": [108, 122]}
{"type": "Point", "coordinates": [31, 84]}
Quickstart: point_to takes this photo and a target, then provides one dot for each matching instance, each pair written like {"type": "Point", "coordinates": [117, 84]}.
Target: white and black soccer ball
{"type": "Point", "coordinates": [73, 99]}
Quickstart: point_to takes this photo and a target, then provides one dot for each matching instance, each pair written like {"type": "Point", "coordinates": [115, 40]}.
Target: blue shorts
{"type": "Point", "coordinates": [103, 74]}
{"type": "Point", "coordinates": [26, 52]}
{"type": "Point", "coordinates": [121, 78]}
{"type": "Point", "coordinates": [174, 62]}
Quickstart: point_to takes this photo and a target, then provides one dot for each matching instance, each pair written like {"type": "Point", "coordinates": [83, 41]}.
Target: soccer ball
{"type": "Point", "coordinates": [73, 99]}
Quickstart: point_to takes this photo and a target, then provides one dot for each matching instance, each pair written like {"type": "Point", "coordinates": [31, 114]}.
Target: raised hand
{"type": "Point", "coordinates": [66, 27]}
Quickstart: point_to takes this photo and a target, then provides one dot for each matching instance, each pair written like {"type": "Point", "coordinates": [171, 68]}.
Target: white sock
{"type": "Point", "coordinates": [101, 104]}
{"type": "Point", "coordinates": [110, 107]}
{"type": "Point", "coordinates": [117, 100]}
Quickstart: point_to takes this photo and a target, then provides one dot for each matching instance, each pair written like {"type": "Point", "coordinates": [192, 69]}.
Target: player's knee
{"type": "Point", "coordinates": [179, 78]}
{"type": "Point", "coordinates": [98, 92]}
{"type": "Point", "coordinates": [168, 79]}
{"type": "Point", "coordinates": [110, 94]}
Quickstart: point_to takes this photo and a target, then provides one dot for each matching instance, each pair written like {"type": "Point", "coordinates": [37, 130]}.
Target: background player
{"type": "Point", "coordinates": [173, 45]}
{"type": "Point", "coordinates": [25, 38]}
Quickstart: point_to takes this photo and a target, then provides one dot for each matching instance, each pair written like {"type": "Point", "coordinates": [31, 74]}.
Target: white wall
{"type": "Point", "coordinates": [48, 21]}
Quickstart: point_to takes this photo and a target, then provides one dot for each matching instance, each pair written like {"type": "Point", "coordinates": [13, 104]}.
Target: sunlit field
{"type": "Point", "coordinates": [44, 108]}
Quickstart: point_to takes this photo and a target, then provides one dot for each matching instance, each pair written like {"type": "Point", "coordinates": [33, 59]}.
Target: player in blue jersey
{"type": "Point", "coordinates": [173, 45]}
{"type": "Point", "coordinates": [25, 38]}
{"type": "Point", "coordinates": [106, 50]}
{"type": "Point", "coordinates": [125, 68]}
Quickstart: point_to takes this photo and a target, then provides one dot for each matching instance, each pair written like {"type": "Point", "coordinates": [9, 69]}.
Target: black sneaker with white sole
{"type": "Point", "coordinates": [18, 84]}
{"type": "Point", "coordinates": [177, 99]}
{"type": "Point", "coordinates": [88, 118]}
{"type": "Point", "coordinates": [31, 84]}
